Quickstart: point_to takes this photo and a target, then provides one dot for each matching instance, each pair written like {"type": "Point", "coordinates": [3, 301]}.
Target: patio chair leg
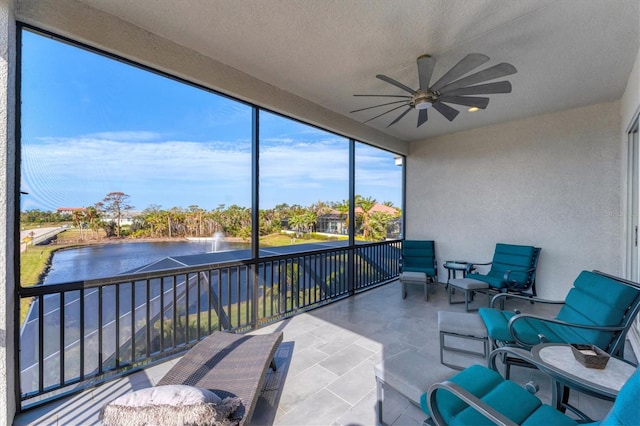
{"type": "Point", "coordinates": [379, 402]}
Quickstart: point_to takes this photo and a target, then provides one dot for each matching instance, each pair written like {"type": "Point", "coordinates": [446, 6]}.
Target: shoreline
{"type": "Point", "coordinates": [108, 241]}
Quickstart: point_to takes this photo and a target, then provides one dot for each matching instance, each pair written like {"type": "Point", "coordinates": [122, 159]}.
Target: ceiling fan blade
{"type": "Point", "coordinates": [466, 100]}
{"type": "Point", "coordinates": [444, 109]}
{"type": "Point", "coordinates": [387, 96]}
{"type": "Point", "coordinates": [396, 83]}
{"type": "Point", "coordinates": [469, 62]}
{"type": "Point", "coordinates": [398, 118]}
{"type": "Point", "coordinates": [423, 116]}
{"type": "Point", "coordinates": [426, 64]}
{"type": "Point", "coordinates": [480, 89]}
{"type": "Point", "coordinates": [376, 106]}
{"type": "Point", "coordinates": [490, 73]}
{"type": "Point", "coordinates": [387, 112]}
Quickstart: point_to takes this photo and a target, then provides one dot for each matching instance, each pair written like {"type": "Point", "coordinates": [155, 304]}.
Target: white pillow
{"type": "Point", "coordinates": [170, 405]}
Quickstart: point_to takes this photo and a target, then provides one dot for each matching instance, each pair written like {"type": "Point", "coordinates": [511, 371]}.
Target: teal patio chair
{"type": "Point", "coordinates": [480, 396]}
{"type": "Point", "coordinates": [598, 310]}
{"type": "Point", "coordinates": [513, 269]}
{"type": "Point", "coordinates": [418, 257]}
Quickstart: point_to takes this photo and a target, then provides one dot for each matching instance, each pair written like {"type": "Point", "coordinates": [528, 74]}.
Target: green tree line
{"type": "Point", "coordinates": [233, 220]}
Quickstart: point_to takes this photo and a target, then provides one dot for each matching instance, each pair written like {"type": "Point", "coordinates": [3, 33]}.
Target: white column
{"type": "Point", "coordinates": [8, 351]}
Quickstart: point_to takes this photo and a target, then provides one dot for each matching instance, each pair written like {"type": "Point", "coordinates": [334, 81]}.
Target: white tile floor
{"type": "Point", "coordinates": [326, 365]}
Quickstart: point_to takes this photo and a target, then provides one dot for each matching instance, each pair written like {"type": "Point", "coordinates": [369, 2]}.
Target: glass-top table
{"type": "Point", "coordinates": [558, 362]}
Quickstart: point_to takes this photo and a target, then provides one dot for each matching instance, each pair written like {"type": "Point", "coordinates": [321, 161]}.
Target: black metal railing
{"type": "Point", "coordinates": [82, 333]}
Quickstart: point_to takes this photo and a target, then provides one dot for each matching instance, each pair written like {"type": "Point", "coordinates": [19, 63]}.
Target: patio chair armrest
{"type": "Point", "coordinates": [517, 352]}
{"type": "Point", "coordinates": [510, 271]}
{"type": "Point", "coordinates": [472, 265]}
{"type": "Point", "coordinates": [519, 317]}
{"type": "Point", "coordinates": [512, 283]}
{"type": "Point", "coordinates": [499, 296]}
{"type": "Point", "coordinates": [473, 401]}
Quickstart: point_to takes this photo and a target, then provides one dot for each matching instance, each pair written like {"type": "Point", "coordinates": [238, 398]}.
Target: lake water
{"type": "Point", "coordinates": [107, 260]}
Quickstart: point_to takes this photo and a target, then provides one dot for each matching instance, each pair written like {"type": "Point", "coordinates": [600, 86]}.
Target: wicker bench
{"type": "Point", "coordinates": [229, 365]}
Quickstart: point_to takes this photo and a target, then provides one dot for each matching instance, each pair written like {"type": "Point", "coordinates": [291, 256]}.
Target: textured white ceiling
{"type": "Point", "coordinates": [568, 53]}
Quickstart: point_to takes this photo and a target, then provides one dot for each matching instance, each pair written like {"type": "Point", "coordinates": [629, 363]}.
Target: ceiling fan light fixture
{"type": "Point", "coordinates": [474, 109]}
{"type": "Point", "coordinates": [422, 104]}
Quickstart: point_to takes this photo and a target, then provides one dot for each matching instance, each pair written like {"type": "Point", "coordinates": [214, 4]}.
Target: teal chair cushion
{"type": "Point", "coordinates": [547, 415]}
{"type": "Point", "coordinates": [625, 410]}
{"type": "Point", "coordinates": [505, 396]}
{"type": "Point", "coordinates": [502, 398]}
{"type": "Point", "coordinates": [496, 322]}
{"type": "Point", "coordinates": [594, 300]}
{"type": "Point", "coordinates": [476, 379]}
{"type": "Point", "coordinates": [508, 257]}
{"type": "Point", "coordinates": [528, 330]}
{"type": "Point", "coordinates": [419, 256]}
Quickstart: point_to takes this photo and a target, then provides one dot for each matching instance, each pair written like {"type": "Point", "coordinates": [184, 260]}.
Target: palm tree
{"type": "Point", "coordinates": [91, 215]}
{"type": "Point", "coordinates": [296, 222]}
{"type": "Point", "coordinates": [78, 219]}
{"type": "Point", "coordinates": [378, 225]}
{"type": "Point", "coordinates": [343, 210]}
{"type": "Point", "coordinates": [365, 204]}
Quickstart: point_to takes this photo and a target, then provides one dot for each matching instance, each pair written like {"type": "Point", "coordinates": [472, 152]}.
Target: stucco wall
{"type": "Point", "coordinates": [551, 181]}
{"type": "Point", "coordinates": [631, 98]}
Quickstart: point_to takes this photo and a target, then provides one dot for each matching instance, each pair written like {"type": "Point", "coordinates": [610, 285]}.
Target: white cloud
{"type": "Point", "coordinates": [125, 136]}
{"type": "Point", "coordinates": [82, 170]}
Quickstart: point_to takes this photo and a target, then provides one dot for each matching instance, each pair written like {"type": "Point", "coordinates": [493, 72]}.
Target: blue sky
{"type": "Point", "coordinates": [92, 125]}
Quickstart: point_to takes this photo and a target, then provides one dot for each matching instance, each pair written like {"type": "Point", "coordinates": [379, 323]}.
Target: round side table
{"type": "Point", "coordinates": [455, 266]}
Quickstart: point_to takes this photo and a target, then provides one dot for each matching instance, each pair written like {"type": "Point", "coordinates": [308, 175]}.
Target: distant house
{"type": "Point", "coordinates": [332, 222]}
{"type": "Point", "coordinates": [70, 210]}
{"type": "Point", "coordinates": [126, 217]}
{"type": "Point", "coordinates": [335, 222]}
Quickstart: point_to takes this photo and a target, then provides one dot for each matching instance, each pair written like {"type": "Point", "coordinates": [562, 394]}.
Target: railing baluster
{"type": "Point", "coordinates": [219, 307]}
{"type": "Point", "coordinates": [263, 281]}
{"type": "Point", "coordinates": [209, 300]}
{"type": "Point", "coordinates": [162, 314]}
{"type": "Point", "coordinates": [187, 338]}
{"type": "Point", "coordinates": [133, 322]}
{"type": "Point", "coordinates": [275, 283]}
{"type": "Point", "coordinates": [61, 347]}
{"type": "Point", "coordinates": [174, 319]}
{"type": "Point", "coordinates": [100, 329]}
{"type": "Point", "coordinates": [248, 288]}
{"type": "Point", "coordinates": [148, 317]}
{"type": "Point", "coordinates": [117, 326]}
{"type": "Point", "coordinates": [82, 332]}
{"type": "Point", "coordinates": [229, 313]}
{"type": "Point", "coordinates": [239, 296]}
{"type": "Point", "coordinates": [41, 344]}
{"type": "Point", "coordinates": [198, 302]}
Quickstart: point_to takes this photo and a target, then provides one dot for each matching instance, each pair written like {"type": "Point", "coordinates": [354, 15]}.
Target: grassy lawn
{"type": "Point", "coordinates": [33, 262]}
{"type": "Point", "coordinates": [275, 240]}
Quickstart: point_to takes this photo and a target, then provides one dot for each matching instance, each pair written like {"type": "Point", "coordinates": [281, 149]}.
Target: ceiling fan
{"type": "Point", "coordinates": [450, 88]}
